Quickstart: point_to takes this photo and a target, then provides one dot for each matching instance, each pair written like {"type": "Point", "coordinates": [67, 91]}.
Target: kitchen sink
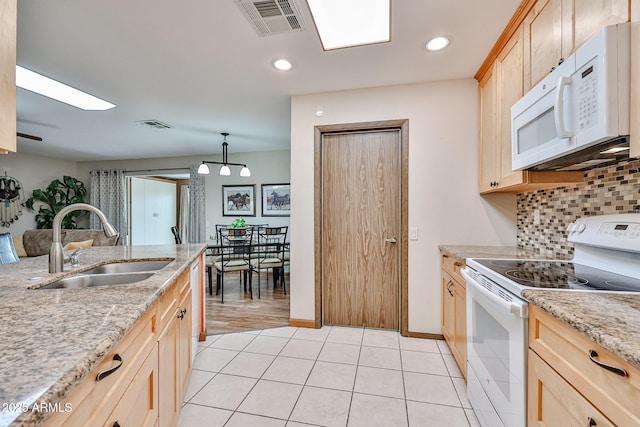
{"type": "Point", "coordinates": [129, 267]}
{"type": "Point", "coordinates": [84, 280]}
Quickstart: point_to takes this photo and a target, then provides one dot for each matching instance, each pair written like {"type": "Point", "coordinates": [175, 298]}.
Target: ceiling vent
{"type": "Point", "coordinates": [156, 124]}
{"type": "Point", "coordinates": [271, 16]}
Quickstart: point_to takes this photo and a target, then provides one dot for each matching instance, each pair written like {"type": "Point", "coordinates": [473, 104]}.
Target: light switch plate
{"type": "Point", "coordinates": [413, 233]}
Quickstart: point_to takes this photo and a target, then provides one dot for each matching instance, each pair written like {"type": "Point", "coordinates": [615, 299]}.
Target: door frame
{"type": "Point", "coordinates": [403, 126]}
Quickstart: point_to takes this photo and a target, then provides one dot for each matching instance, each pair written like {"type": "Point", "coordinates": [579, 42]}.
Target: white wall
{"type": "Point", "coordinates": [268, 167]}
{"type": "Point", "coordinates": [33, 172]}
{"type": "Point", "coordinates": [444, 203]}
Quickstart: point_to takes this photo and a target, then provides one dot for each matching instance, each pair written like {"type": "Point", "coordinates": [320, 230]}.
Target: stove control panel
{"type": "Point", "coordinates": [618, 231]}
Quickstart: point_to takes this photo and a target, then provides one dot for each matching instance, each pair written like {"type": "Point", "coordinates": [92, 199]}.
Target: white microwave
{"type": "Point", "coordinates": [581, 104]}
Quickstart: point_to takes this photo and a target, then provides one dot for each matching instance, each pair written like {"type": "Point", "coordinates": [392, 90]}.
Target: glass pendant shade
{"type": "Point", "coordinates": [245, 171]}
{"type": "Point", "coordinates": [203, 169]}
{"type": "Point", "coordinates": [225, 170]}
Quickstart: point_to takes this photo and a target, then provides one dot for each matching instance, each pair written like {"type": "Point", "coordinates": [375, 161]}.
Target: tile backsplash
{"type": "Point", "coordinates": [607, 190]}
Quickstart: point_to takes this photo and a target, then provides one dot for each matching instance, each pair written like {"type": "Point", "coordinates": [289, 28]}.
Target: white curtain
{"type": "Point", "coordinates": [108, 193]}
{"type": "Point", "coordinates": [184, 213]}
{"type": "Point", "coordinates": [197, 230]}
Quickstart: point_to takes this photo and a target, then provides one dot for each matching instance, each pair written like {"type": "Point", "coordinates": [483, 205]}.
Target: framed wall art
{"type": "Point", "coordinates": [276, 199]}
{"type": "Point", "coordinates": [238, 200]}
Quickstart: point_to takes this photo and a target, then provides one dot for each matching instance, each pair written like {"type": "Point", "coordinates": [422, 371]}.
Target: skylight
{"type": "Point", "coordinates": [348, 23]}
{"type": "Point", "coordinates": [53, 89]}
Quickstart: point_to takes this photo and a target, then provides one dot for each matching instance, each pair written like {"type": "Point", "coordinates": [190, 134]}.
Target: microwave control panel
{"type": "Point", "coordinates": [586, 80]}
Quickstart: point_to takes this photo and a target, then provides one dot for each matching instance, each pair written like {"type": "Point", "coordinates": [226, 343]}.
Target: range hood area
{"type": "Point", "coordinates": [603, 154]}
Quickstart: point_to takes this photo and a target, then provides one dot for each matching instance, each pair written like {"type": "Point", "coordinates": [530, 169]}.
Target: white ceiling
{"type": "Point", "coordinates": [199, 66]}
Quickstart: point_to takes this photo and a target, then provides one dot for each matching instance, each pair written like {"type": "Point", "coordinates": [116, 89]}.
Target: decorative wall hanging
{"type": "Point", "coordinates": [11, 200]}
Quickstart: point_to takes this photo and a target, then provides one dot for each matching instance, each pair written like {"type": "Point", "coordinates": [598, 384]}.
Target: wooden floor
{"type": "Point", "coordinates": [241, 313]}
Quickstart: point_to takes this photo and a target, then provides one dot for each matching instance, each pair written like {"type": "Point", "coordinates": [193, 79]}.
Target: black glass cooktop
{"type": "Point", "coordinates": [560, 275]}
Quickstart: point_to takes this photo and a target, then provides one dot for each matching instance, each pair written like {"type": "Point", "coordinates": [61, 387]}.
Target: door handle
{"type": "Point", "coordinates": [391, 240]}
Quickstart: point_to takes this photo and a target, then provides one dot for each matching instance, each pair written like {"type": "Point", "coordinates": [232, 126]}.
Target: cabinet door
{"type": "Point", "coordinates": [542, 40]}
{"type": "Point", "coordinates": [460, 353]}
{"type": "Point", "coordinates": [510, 75]}
{"type": "Point", "coordinates": [448, 312]}
{"type": "Point", "coordinates": [186, 327]}
{"type": "Point", "coordinates": [8, 22]}
{"type": "Point", "coordinates": [589, 16]}
{"type": "Point", "coordinates": [553, 402]}
{"type": "Point", "coordinates": [168, 374]}
{"type": "Point", "coordinates": [488, 168]}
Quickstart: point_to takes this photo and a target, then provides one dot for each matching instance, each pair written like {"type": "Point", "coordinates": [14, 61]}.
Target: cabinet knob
{"type": "Point", "coordinates": [560, 61]}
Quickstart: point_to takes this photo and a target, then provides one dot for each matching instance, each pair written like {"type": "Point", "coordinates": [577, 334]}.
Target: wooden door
{"type": "Point", "coordinates": [543, 40]}
{"type": "Point", "coordinates": [360, 220]}
{"type": "Point", "coordinates": [590, 16]}
{"type": "Point", "coordinates": [489, 147]}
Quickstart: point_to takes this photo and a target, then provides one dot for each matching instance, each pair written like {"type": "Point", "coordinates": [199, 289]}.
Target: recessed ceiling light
{"type": "Point", "coordinates": [282, 64]}
{"type": "Point", "coordinates": [53, 89]}
{"type": "Point", "coordinates": [348, 23]}
{"type": "Point", "coordinates": [437, 43]}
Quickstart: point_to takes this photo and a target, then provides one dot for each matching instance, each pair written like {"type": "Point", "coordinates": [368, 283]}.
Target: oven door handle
{"type": "Point", "coordinates": [520, 308]}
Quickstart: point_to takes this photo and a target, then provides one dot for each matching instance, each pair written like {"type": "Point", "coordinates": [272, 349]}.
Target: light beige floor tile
{"type": "Point", "coordinates": [471, 416]}
{"type": "Point", "coordinates": [224, 391]}
{"type": "Point", "coordinates": [271, 399]}
{"type": "Point", "coordinates": [247, 420]}
{"type": "Point", "coordinates": [249, 365]}
{"type": "Point", "coordinates": [428, 414]}
{"type": "Point", "coordinates": [312, 334]}
{"type": "Point", "coordinates": [233, 341]}
{"type": "Point", "coordinates": [380, 338]}
{"type": "Point", "coordinates": [377, 357]}
{"type": "Point", "coordinates": [461, 388]}
{"type": "Point", "coordinates": [213, 359]}
{"type": "Point", "coordinates": [195, 415]}
{"type": "Point", "coordinates": [252, 332]}
{"type": "Point", "coordinates": [374, 411]}
{"type": "Point", "coordinates": [340, 353]}
{"type": "Point", "coordinates": [302, 348]}
{"type": "Point", "coordinates": [345, 335]}
{"type": "Point", "coordinates": [289, 370]}
{"type": "Point", "coordinates": [337, 376]}
{"type": "Point", "coordinates": [296, 424]}
{"type": "Point", "coordinates": [444, 347]}
{"type": "Point", "coordinates": [430, 389]}
{"type": "Point", "coordinates": [419, 344]}
{"type": "Point", "coordinates": [381, 382]}
{"type": "Point", "coordinates": [282, 332]}
{"type": "Point", "coordinates": [452, 366]}
{"type": "Point", "coordinates": [322, 406]}
{"type": "Point", "coordinates": [196, 382]}
{"type": "Point", "coordinates": [266, 345]}
{"type": "Point", "coordinates": [426, 363]}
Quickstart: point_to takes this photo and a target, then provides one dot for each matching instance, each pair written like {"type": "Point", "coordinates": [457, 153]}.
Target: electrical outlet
{"type": "Point", "coordinates": [413, 233]}
{"type": "Point", "coordinates": [536, 216]}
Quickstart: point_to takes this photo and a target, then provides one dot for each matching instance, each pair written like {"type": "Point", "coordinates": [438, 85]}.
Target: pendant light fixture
{"type": "Point", "coordinates": [225, 170]}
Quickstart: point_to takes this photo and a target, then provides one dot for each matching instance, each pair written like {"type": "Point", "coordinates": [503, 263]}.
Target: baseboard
{"type": "Point", "coordinates": [202, 336]}
{"type": "Point", "coordinates": [425, 335]}
{"type": "Point", "coordinates": [302, 323]}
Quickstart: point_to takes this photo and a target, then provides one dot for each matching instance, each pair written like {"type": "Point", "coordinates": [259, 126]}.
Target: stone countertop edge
{"type": "Point", "coordinates": [610, 320]}
{"type": "Point", "coordinates": [49, 350]}
{"type": "Point", "coordinates": [484, 251]}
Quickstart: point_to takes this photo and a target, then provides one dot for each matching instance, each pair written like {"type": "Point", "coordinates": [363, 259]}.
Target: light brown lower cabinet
{"type": "Point", "coordinates": [574, 381]}
{"type": "Point", "coordinates": [143, 380]}
{"type": "Point", "coordinates": [454, 309]}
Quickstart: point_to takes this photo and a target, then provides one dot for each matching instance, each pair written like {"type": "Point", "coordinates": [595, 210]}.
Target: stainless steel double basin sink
{"type": "Point", "coordinates": [117, 273]}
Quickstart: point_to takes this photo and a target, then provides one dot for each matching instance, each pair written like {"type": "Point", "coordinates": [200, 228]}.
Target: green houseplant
{"type": "Point", "coordinates": [56, 196]}
{"type": "Point", "coordinates": [239, 223]}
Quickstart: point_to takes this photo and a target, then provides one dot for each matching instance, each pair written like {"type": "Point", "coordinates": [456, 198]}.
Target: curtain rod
{"type": "Point", "coordinates": [159, 169]}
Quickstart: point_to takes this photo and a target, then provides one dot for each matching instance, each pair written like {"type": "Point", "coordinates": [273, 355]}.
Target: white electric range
{"type": "Point", "coordinates": [606, 259]}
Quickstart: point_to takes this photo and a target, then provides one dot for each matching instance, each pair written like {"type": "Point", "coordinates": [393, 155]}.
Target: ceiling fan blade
{"type": "Point", "coordinates": [24, 135]}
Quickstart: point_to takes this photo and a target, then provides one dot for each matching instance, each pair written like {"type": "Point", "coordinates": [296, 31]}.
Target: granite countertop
{"type": "Point", "coordinates": [611, 320]}
{"type": "Point", "coordinates": [52, 338]}
{"type": "Point", "coordinates": [478, 251]}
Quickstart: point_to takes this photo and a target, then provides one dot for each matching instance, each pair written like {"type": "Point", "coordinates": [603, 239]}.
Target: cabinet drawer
{"type": "Point", "coordinates": [94, 399]}
{"type": "Point", "coordinates": [553, 402]}
{"type": "Point", "coordinates": [184, 284]}
{"type": "Point", "coordinates": [576, 358]}
{"type": "Point", "coordinates": [453, 265]}
{"type": "Point", "coordinates": [167, 306]}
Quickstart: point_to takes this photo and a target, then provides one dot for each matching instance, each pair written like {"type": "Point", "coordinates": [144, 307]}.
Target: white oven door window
{"type": "Point", "coordinates": [497, 341]}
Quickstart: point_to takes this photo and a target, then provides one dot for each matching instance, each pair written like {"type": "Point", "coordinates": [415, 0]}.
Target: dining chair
{"type": "Point", "coordinates": [176, 235]}
{"type": "Point", "coordinates": [8, 252]}
{"type": "Point", "coordinates": [268, 253]}
{"type": "Point", "coordinates": [234, 255]}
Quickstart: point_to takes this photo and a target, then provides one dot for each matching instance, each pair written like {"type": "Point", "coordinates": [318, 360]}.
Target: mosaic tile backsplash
{"type": "Point", "coordinates": [607, 190]}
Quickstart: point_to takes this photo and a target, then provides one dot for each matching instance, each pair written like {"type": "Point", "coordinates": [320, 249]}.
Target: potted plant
{"type": "Point", "coordinates": [56, 196]}
{"type": "Point", "coordinates": [240, 225]}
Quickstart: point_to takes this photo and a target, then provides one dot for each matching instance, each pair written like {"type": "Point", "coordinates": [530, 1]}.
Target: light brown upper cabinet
{"type": "Point", "coordinates": [539, 34]}
{"type": "Point", "coordinates": [554, 29]}
{"type": "Point", "coordinates": [8, 22]}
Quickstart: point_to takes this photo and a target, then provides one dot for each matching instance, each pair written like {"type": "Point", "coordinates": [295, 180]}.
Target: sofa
{"type": "Point", "coordinates": [37, 242]}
